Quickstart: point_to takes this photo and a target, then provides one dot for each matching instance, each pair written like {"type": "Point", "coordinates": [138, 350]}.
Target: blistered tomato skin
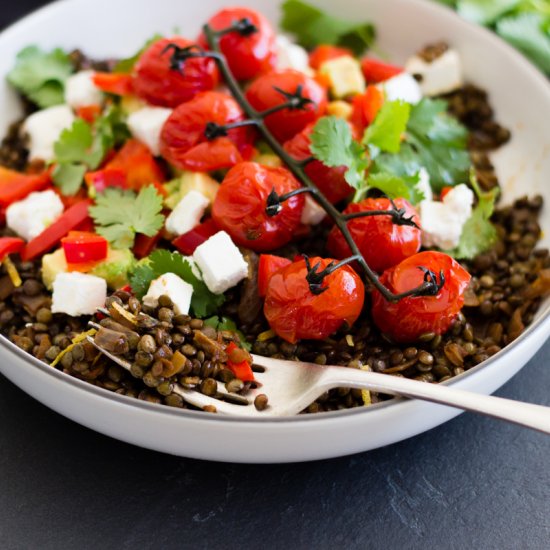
{"type": "Point", "coordinates": [183, 142]}
{"type": "Point", "coordinates": [295, 313]}
{"type": "Point", "coordinates": [409, 318]}
{"type": "Point", "coordinates": [157, 83]}
{"type": "Point", "coordinates": [285, 124]}
{"type": "Point", "coordinates": [247, 56]}
{"type": "Point", "coordinates": [382, 243]}
{"type": "Point", "coordinates": [330, 181]}
{"type": "Point", "coordinates": [241, 202]}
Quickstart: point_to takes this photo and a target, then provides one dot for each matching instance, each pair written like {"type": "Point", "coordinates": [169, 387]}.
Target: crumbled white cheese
{"type": "Point", "coordinates": [442, 222]}
{"type": "Point", "coordinates": [188, 213]}
{"type": "Point", "coordinates": [345, 76]}
{"type": "Point", "coordinates": [78, 293]}
{"type": "Point", "coordinates": [402, 86]}
{"type": "Point", "coordinates": [30, 216]}
{"type": "Point", "coordinates": [146, 126]}
{"type": "Point", "coordinates": [423, 185]}
{"type": "Point", "coordinates": [178, 290]}
{"type": "Point", "coordinates": [44, 128]}
{"type": "Point", "coordinates": [291, 55]}
{"type": "Point", "coordinates": [221, 263]}
{"type": "Point", "coordinates": [441, 76]}
{"type": "Point", "coordinates": [80, 90]}
{"type": "Point", "coordinates": [313, 213]}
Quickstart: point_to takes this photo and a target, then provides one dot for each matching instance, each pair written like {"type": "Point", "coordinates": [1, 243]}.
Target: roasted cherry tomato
{"type": "Point", "coordinates": [382, 243]}
{"type": "Point", "coordinates": [263, 94]}
{"type": "Point", "coordinates": [89, 113]}
{"type": "Point", "coordinates": [376, 71]}
{"type": "Point", "coordinates": [295, 313]}
{"type": "Point", "coordinates": [365, 107]}
{"type": "Point", "coordinates": [247, 56]}
{"type": "Point", "coordinates": [326, 52]}
{"type": "Point", "coordinates": [183, 140]}
{"type": "Point", "coordinates": [268, 265]}
{"type": "Point", "coordinates": [156, 82]}
{"type": "Point", "coordinates": [330, 181]}
{"type": "Point", "coordinates": [240, 206]}
{"type": "Point", "coordinates": [411, 317]}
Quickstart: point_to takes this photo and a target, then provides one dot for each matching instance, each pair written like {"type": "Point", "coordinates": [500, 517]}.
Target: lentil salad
{"type": "Point", "coordinates": [179, 347]}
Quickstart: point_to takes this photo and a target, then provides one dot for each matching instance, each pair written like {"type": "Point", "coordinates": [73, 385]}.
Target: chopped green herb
{"type": "Point", "coordinates": [41, 76]}
{"type": "Point", "coordinates": [131, 214]}
{"type": "Point", "coordinates": [388, 127]}
{"type": "Point", "coordinates": [312, 27]}
{"type": "Point", "coordinates": [225, 323]}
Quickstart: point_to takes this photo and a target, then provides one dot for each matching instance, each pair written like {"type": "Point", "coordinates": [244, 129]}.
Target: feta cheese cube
{"type": "Point", "coordinates": [78, 293]}
{"type": "Point", "coordinates": [80, 90]}
{"type": "Point", "coordinates": [178, 290]}
{"type": "Point", "coordinates": [221, 263]}
{"type": "Point", "coordinates": [291, 55]}
{"type": "Point", "coordinates": [146, 126]}
{"type": "Point", "coordinates": [424, 185]}
{"type": "Point", "coordinates": [188, 213]}
{"type": "Point", "coordinates": [441, 76]}
{"type": "Point", "coordinates": [460, 200]}
{"type": "Point", "coordinates": [30, 216]}
{"type": "Point", "coordinates": [402, 86]}
{"type": "Point", "coordinates": [44, 128]}
{"type": "Point", "coordinates": [313, 213]}
{"type": "Point", "coordinates": [345, 76]}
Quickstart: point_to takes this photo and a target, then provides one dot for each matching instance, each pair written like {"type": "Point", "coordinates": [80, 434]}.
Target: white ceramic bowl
{"type": "Point", "coordinates": [521, 96]}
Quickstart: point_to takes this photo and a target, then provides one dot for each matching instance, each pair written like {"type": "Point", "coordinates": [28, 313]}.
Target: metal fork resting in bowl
{"type": "Point", "coordinates": [293, 385]}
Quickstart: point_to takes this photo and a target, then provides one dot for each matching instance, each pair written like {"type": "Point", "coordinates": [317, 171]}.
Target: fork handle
{"type": "Point", "coordinates": [532, 416]}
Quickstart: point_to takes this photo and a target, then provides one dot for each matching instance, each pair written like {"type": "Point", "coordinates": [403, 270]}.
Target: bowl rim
{"type": "Point", "coordinates": [541, 324]}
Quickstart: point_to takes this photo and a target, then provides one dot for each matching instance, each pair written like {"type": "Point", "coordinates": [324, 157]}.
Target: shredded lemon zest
{"type": "Point", "coordinates": [365, 394]}
{"type": "Point", "coordinates": [12, 272]}
{"type": "Point", "coordinates": [76, 340]}
{"type": "Point", "coordinates": [349, 340]}
{"type": "Point", "coordinates": [130, 317]}
{"type": "Point", "coordinates": [266, 335]}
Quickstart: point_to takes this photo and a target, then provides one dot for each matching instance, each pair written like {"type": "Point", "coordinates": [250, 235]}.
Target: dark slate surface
{"type": "Point", "coordinates": [472, 483]}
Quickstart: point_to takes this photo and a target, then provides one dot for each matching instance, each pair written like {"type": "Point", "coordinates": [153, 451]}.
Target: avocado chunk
{"type": "Point", "coordinates": [52, 265]}
{"type": "Point", "coordinates": [190, 181]}
{"type": "Point", "coordinates": [116, 268]}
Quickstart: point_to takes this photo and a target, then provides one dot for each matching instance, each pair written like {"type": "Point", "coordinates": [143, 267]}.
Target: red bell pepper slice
{"type": "Point", "coordinates": [89, 113]}
{"type": "Point", "coordinates": [188, 242]}
{"type": "Point", "coordinates": [139, 165]}
{"type": "Point", "coordinates": [114, 83]}
{"type": "Point", "coordinates": [365, 107]}
{"type": "Point", "coordinates": [376, 71]}
{"type": "Point", "coordinates": [144, 245]}
{"type": "Point", "coordinates": [16, 185]}
{"type": "Point", "coordinates": [326, 52]}
{"type": "Point", "coordinates": [9, 245]}
{"type": "Point", "coordinates": [268, 265]}
{"type": "Point", "coordinates": [242, 370]}
{"type": "Point", "coordinates": [83, 246]}
{"type": "Point", "coordinates": [108, 177]}
{"type": "Point", "coordinates": [69, 220]}
{"type": "Point", "coordinates": [445, 191]}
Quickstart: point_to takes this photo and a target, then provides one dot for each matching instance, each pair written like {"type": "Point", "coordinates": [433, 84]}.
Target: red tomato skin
{"type": "Point", "coordinates": [376, 71]}
{"type": "Point", "coordinates": [240, 205]}
{"type": "Point", "coordinates": [295, 313]}
{"type": "Point", "coordinates": [411, 317]}
{"type": "Point", "coordinates": [287, 123]}
{"type": "Point", "coordinates": [10, 245]}
{"type": "Point", "coordinates": [114, 83]}
{"type": "Point", "coordinates": [247, 56]}
{"type": "Point", "coordinates": [326, 52]}
{"type": "Point", "coordinates": [158, 84]}
{"type": "Point", "coordinates": [330, 181]}
{"type": "Point", "coordinates": [268, 265]}
{"type": "Point", "coordinates": [382, 243]}
{"type": "Point", "coordinates": [182, 140]}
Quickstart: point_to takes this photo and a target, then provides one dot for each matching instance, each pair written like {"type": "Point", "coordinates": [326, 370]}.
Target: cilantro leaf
{"type": "Point", "coordinates": [478, 233]}
{"type": "Point", "coordinates": [333, 144]}
{"type": "Point", "coordinates": [395, 186]}
{"type": "Point", "coordinates": [387, 128]}
{"type": "Point", "coordinates": [74, 142]}
{"type": "Point", "coordinates": [225, 323]}
{"type": "Point", "coordinates": [312, 27]}
{"type": "Point", "coordinates": [68, 177]}
{"type": "Point", "coordinates": [484, 13]}
{"type": "Point", "coordinates": [120, 214]}
{"type": "Point", "coordinates": [203, 302]}
{"type": "Point", "coordinates": [41, 76]}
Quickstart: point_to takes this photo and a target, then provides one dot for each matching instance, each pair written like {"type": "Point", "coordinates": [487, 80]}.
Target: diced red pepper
{"type": "Point", "coordinates": [9, 245]}
{"type": "Point", "coordinates": [126, 288]}
{"type": "Point", "coordinates": [242, 370]}
{"type": "Point", "coordinates": [69, 220]}
{"type": "Point", "coordinates": [144, 245]}
{"type": "Point", "coordinates": [326, 52]}
{"type": "Point", "coordinates": [83, 246]}
{"type": "Point", "coordinates": [376, 71]}
{"type": "Point", "coordinates": [139, 165]}
{"type": "Point", "coordinates": [83, 267]}
{"type": "Point", "coordinates": [108, 177]}
{"type": "Point", "coordinates": [114, 83]}
{"type": "Point", "coordinates": [444, 191]}
{"type": "Point", "coordinates": [267, 267]}
{"type": "Point", "coordinates": [15, 186]}
{"type": "Point", "coordinates": [188, 242]}
{"type": "Point", "coordinates": [89, 113]}
{"type": "Point", "coordinates": [365, 107]}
